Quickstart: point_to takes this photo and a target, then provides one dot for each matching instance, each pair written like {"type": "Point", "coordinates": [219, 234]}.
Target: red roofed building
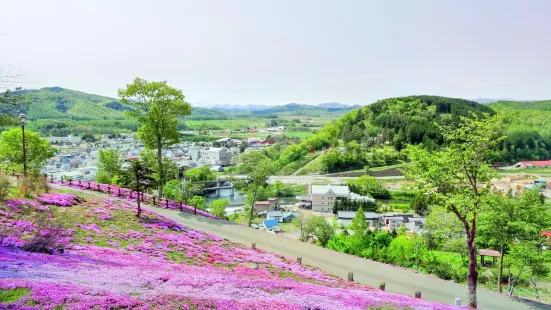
{"type": "Point", "coordinates": [534, 164]}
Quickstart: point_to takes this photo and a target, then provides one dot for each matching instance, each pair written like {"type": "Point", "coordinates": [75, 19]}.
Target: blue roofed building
{"type": "Point", "coordinates": [270, 225]}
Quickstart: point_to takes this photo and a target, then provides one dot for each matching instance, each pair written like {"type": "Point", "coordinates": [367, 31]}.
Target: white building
{"type": "Point", "coordinates": [345, 218]}
{"type": "Point", "coordinates": [211, 156]}
{"type": "Point", "coordinates": [69, 139]}
{"type": "Point", "coordinates": [322, 197]}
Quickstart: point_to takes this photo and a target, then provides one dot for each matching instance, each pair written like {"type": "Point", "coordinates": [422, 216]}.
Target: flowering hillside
{"type": "Point", "coordinates": [111, 259]}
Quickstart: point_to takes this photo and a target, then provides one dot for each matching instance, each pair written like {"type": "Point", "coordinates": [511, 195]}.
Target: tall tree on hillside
{"type": "Point", "coordinates": [359, 224]}
{"type": "Point", "coordinates": [459, 176]}
{"type": "Point", "coordinates": [157, 107]}
{"type": "Point", "coordinates": [259, 168]}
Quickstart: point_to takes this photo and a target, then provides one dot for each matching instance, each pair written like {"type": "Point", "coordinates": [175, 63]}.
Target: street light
{"type": "Point", "coordinates": [22, 121]}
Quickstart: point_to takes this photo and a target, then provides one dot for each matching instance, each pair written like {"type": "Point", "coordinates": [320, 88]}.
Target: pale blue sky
{"type": "Point", "coordinates": [275, 52]}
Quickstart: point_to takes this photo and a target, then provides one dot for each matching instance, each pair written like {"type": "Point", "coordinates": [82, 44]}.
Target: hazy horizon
{"type": "Point", "coordinates": [272, 53]}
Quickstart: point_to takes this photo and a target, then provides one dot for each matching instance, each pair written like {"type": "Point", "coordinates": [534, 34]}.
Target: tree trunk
{"type": "Point", "coordinates": [252, 206]}
{"type": "Point", "coordinates": [161, 170]}
{"type": "Point", "coordinates": [535, 287]}
{"type": "Point", "coordinates": [500, 273]}
{"type": "Point", "coordinates": [472, 277]}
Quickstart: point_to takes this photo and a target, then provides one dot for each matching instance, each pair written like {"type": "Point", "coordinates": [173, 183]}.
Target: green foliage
{"type": "Point", "coordinates": [198, 202]}
{"type": "Point", "coordinates": [150, 158]}
{"type": "Point", "coordinates": [13, 295]}
{"type": "Point", "coordinates": [38, 149]}
{"type": "Point", "coordinates": [5, 187]}
{"type": "Point", "coordinates": [459, 174]}
{"type": "Point", "coordinates": [218, 207]}
{"type": "Point", "coordinates": [299, 221]}
{"type": "Point", "coordinates": [320, 228]}
{"type": "Point", "coordinates": [368, 186]}
{"type": "Point", "coordinates": [157, 106]}
{"type": "Point", "coordinates": [420, 204]}
{"type": "Point", "coordinates": [359, 225]}
{"type": "Point", "coordinates": [109, 165]}
{"type": "Point", "coordinates": [173, 190]}
{"type": "Point", "coordinates": [345, 204]}
{"type": "Point", "coordinates": [406, 252]}
{"type": "Point", "coordinates": [200, 174]}
{"type": "Point", "coordinates": [527, 258]}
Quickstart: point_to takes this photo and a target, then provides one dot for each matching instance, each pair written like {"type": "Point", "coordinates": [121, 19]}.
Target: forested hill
{"type": "Point", "coordinates": [60, 103]}
{"type": "Point", "coordinates": [375, 134]}
{"type": "Point", "coordinates": [528, 130]}
{"type": "Point", "coordinates": [398, 121]}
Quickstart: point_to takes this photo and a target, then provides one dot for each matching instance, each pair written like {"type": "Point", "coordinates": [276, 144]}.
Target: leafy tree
{"type": "Point", "coordinates": [157, 106]}
{"type": "Point", "coordinates": [456, 245]}
{"type": "Point", "coordinates": [200, 174]}
{"type": "Point", "coordinates": [173, 190]}
{"type": "Point", "coordinates": [527, 258]}
{"type": "Point", "coordinates": [88, 137]}
{"type": "Point", "coordinates": [458, 175]}
{"type": "Point", "coordinates": [300, 222]}
{"type": "Point", "coordinates": [198, 202]}
{"type": "Point", "coordinates": [139, 177]}
{"type": "Point", "coordinates": [258, 176]}
{"type": "Point", "coordinates": [169, 168]}
{"type": "Point", "coordinates": [368, 186]}
{"type": "Point", "coordinates": [218, 207]}
{"type": "Point", "coordinates": [420, 204]}
{"type": "Point", "coordinates": [378, 243]}
{"type": "Point", "coordinates": [504, 221]}
{"type": "Point", "coordinates": [321, 229]}
{"type": "Point", "coordinates": [109, 165]}
{"type": "Point", "coordinates": [38, 150]}
{"type": "Point", "coordinates": [359, 224]}
{"type": "Point", "coordinates": [443, 225]}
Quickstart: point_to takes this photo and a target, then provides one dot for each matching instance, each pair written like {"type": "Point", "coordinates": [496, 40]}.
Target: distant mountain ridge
{"type": "Point", "coordinates": [61, 103]}
{"type": "Point", "coordinates": [290, 107]}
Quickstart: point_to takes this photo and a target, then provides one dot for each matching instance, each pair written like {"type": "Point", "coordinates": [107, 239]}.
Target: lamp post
{"type": "Point", "coordinates": [22, 120]}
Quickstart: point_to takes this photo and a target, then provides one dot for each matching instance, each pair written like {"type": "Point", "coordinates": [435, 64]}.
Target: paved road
{"type": "Point", "coordinates": [365, 271]}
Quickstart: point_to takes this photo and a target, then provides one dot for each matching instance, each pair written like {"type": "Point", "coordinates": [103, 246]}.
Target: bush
{"type": "Point", "coordinates": [51, 234]}
{"type": "Point", "coordinates": [33, 184]}
{"type": "Point", "coordinates": [5, 186]}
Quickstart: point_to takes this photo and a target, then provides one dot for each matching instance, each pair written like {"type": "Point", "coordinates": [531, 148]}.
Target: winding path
{"type": "Point", "coordinates": [365, 271]}
{"type": "Point", "coordinates": [371, 273]}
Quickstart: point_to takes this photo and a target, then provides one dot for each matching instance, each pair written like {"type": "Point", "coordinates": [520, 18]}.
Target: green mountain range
{"type": "Point", "coordinates": [60, 103]}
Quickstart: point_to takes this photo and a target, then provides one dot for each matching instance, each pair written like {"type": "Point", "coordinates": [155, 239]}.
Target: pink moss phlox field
{"type": "Point", "coordinates": [126, 193]}
{"type": "Point", "coordinates": [119, 261]}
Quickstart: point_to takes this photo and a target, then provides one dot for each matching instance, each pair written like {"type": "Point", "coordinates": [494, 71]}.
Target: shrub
{"type": "Point", "coordinates": [50, 234]}
{"type": "Point", "coordinates": [5, 186]}
{"type": "Point", "coordinates": [33, 184]}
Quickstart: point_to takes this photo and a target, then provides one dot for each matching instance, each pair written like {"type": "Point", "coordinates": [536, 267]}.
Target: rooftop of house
{"type": "Point", "coordinates": [261, 203]}
{"type": "Point", "coordinates": [289, 214]}
{"type": "Point", "coordinates": [491, 253]}
{"type": "Point", "coordinates": [270, 223]}
{"type": "Point", "coordinates": [338, 190]}
{"type": "Point", "coordinates": [536, 163]}
{"type": "Point", "coordinates": [274, 213]}
{"type": "Point", "coordinates": [345, 215]}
